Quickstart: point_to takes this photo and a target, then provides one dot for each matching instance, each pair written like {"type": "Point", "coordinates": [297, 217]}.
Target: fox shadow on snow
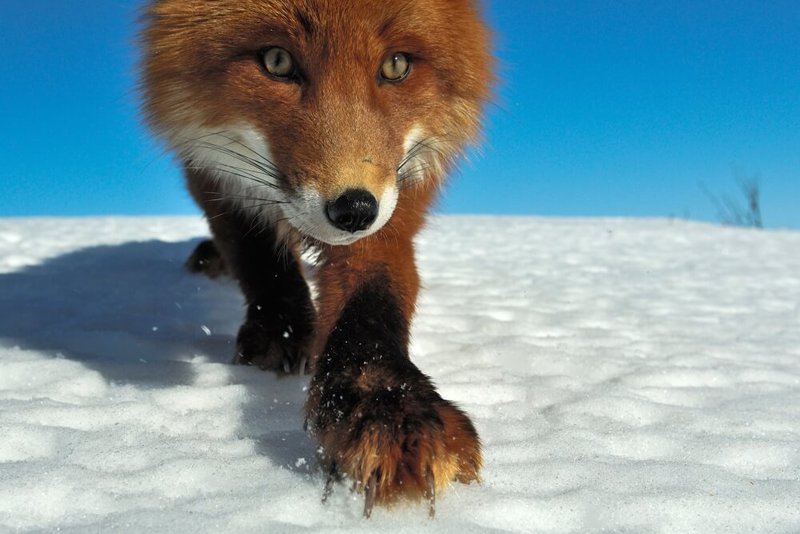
{"type": "Point", "coordinates": [133, 313]}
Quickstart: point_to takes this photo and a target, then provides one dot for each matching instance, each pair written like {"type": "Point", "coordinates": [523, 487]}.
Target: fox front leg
{"type": "Point", "coordinates": [378, 419]}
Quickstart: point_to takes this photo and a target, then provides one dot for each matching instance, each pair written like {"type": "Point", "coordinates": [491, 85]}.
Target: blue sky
{"type": "Point", "coordinates": [606, 109]}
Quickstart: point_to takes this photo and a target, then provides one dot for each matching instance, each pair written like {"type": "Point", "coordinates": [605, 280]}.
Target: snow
{"type": "Point", "coordinates": [624, 375]}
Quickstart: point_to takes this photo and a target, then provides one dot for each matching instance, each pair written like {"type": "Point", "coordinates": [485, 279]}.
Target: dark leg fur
{"type": "Point", "coordinates": [378, 418]}
{"type": "Point", "coordinates": [279, 323]}
{"type": "Point", "coordinates": [206, 260]}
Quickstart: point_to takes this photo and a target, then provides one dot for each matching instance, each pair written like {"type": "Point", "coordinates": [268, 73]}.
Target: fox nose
{"type": "Point", "coordinates": [354, 210]}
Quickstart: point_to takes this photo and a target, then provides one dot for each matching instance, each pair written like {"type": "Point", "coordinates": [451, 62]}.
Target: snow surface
{"type": "Point", "coordinates": [625, 375]}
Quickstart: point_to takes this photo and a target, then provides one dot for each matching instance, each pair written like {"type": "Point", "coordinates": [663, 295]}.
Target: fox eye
{"type": "Point", "coordinates": [278, 62]}
{"type": "Point", "coordinates": [395, 67]}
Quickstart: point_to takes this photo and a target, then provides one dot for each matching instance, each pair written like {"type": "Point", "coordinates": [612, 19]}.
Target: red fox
{"type": "Point", "coordinates": [329, 124]}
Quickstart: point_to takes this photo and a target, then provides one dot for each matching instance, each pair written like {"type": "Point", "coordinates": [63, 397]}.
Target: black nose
{"type": "Point", "coordinates": [355, 210]}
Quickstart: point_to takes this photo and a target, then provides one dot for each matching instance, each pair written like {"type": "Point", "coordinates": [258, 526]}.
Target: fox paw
{"type": "Point", "coordinates": [272, 345]}
{"type": "Point", "coordinates": [274, 337]}
{"type": "Point", "coordinates": [393, 435]}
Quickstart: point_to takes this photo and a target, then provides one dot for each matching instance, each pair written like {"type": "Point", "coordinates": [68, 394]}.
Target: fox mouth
{"type": "Point", "coordinates": [352, 216]}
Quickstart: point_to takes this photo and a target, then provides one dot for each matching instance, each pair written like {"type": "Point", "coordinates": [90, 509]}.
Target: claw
{"type": "Point", "coordinates": [369, 497]}
{"type": "Point", "coordinates": [303, 363]}
{"type": "Point", "coordinates": [430, 492]}
{"type": "Point", "coordinates": [287, 368]}
{"type": "Point", "coordinates": [329, 483]}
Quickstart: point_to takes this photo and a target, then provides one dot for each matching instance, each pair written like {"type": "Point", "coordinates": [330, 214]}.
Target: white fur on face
{"type": "Point", "coordinates": [239, 158]}
{"type": "Point", "coordinates": [422, 157]}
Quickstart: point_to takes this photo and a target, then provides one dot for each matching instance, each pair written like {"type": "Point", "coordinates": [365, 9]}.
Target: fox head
{"type": "Point", "coordinates": [320, 113]}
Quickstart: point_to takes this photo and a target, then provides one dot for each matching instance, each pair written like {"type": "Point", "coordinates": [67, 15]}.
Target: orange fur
{"type": "Point", "coordinates": [267, 152]}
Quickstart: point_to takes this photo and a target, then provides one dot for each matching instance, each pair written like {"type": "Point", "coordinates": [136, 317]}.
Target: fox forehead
{"type": "Point", "coordinates": [444, 30]}
{"type": "Point", "coordinates": [312, 16]}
